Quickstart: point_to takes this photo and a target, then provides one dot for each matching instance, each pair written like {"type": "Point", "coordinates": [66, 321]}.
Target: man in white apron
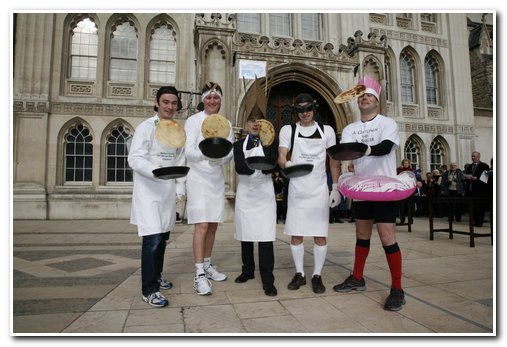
{"type": "Point", "coordinates": [380, 133]}
{"type": "Point", "coordinates": [154, 199]}
{"type": "Point", "coordinates": [205, 191]}
{"type": "Point", "coordinates": [309, 199]}
{"type": "Point", "coordinates": [255, 209]}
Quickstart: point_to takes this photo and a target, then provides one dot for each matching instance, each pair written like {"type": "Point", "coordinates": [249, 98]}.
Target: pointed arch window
{"type": "Point", "coordinates": [117, 168]}
{"type": "Point", "coordinates": [437, 154]}
{"type": "Point", "coordinates": [431, 76]}
{"type": "Point", "coordinates": [123, 66]}
{"type": "Point", "coordinates": [78, 154]}
{"type": "Point", "coordinates": [163, 55]}
{"type": "Point", "coordinates": [413, 153]}
{"type": "Point", "coordinates": [83, 50]}
{"type": "Point", "coordinates": [407, 78]}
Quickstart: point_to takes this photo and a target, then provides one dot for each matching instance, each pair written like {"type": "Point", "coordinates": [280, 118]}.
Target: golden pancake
{"type": "Point", "coordinates": [170, 133]}
{"type": "Point", "coordinates": [266, 132]}
{"type": "Point", "coordinates": [215, 125]}
{"type": "Point", "coordinates": [350, 94]}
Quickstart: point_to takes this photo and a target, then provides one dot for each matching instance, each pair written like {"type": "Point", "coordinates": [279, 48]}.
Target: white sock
{"type": "Point", "coordinates": [298, 254]}
{"type": "Point", "coordinates": [199, 269]}
{"type": "Point", "coordinates": [319, 257]}
{"type": "Point", "coordinates": [207, 262]}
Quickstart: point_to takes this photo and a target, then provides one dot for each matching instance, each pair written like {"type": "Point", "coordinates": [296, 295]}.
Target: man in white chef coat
{"type": "Point", "coordinates": [309, 199]}
{"type": "Point", "coordinates": [205, 191]}
{"type": "Point", "coordinates": [154, 199]}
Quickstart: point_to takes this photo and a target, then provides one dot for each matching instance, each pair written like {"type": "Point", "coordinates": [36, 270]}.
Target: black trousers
{"type": "Point", "coordinates": [266, 260]}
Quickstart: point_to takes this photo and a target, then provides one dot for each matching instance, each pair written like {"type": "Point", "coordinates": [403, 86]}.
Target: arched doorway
{"type": "Point", "coordinates": [286, 81]}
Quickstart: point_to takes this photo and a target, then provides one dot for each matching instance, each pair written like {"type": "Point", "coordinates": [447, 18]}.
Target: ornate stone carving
{"type": "Point", "coordinates": [410, 111]}
{"type": "Point", "coordinates": [80, 88]}
{"type": "Point", "coordinates": [123, 91]}
{"type": "Point", "coordinates": [215, 45]}
{"type": "Point", "coordinates": [214, 20]}
{"type": "Point", "coordinates": [378, 18]}
{"type": "Point", "coordinates": [254, 43]}
{"type": "Point", "coordinates": [411, 37]}
{"type": "Point", "coordinates": [429, 27]}
{"type": "Point", "coordinates": [405, 23]}
{"type": "Point", "coordinates": [30, 106]}
{"type": "Point", "coordinates": [101, 109]}
{"type": "Point", "coordinates": [435, 112]}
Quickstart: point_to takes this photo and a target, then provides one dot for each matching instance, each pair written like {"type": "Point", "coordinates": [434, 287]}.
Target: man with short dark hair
{"type": "Point", "coordinates": [154, 199]}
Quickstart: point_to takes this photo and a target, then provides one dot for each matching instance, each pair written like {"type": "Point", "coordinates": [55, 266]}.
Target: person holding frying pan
{"type": "Point", "coordinates": [255, 208]}
{"type": "Point", "coordinates": [309, 198]}
{"type": "Point", "coordinates": [380, 134]}
{"type": "Point", "coordinates": [205, 191]}
{"type": "Point", "coordinates": [153, 199]}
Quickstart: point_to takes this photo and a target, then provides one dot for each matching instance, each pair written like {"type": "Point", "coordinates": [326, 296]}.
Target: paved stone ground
{"type": "Point", "coordinates": [83, 277]}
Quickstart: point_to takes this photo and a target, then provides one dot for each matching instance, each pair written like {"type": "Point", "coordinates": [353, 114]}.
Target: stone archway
{"type": "Point", "coordinates": [290, 79]}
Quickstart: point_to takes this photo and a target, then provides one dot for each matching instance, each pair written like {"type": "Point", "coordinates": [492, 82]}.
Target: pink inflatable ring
{"type": "Point", "coordinates": [377, 188]}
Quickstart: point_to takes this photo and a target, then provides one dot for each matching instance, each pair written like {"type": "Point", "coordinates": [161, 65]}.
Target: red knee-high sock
{"type": "Point", "coordinates": [362, 250]}
{"type": "Point", "coordinates": [393, 255]}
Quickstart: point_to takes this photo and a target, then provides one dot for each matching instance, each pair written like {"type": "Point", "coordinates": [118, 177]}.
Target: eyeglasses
{"type": "Point", "coordinates": [304, 108]}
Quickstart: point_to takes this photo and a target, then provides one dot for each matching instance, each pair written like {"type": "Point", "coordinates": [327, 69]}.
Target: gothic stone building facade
{"type": "Point", "coordinates": [82, 82]}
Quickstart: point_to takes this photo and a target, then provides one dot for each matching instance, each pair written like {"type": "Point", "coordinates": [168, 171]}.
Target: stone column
{"type": "Point", "coordinates": [31, 85]}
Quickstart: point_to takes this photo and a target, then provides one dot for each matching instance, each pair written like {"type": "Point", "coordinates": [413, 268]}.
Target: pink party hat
{"type": "Point", "coordinates": [372, 86]}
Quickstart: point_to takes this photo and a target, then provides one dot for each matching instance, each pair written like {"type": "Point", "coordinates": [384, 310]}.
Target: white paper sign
{"type": "Point", "coordinates": [484, 177]}
{"type": "Point", "coordinates": [251, 68]}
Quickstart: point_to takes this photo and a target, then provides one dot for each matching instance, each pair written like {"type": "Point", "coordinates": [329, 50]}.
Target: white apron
{"type": "Point", "coordinates": [153, 200]}
{"type": "Point", "coordinates": [255, 210]}
{"type": "Point", "coordinates": [308, 199]}
{"type": "Point", "coordinates": [205, 186]}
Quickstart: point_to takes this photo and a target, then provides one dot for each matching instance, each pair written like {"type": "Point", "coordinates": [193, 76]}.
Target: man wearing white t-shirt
{"type": "Point", "coordinates": [381, 135]}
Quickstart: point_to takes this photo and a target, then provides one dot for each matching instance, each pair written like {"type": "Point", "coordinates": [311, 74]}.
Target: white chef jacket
{"type": "Point", "coordinates": [205, 182]}
{"type": "Point", "coordinates": [153, 199]}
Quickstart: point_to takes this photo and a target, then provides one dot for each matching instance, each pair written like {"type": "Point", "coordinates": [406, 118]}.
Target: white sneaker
{"type": "Point", "coordinates": [212, 273]}
{"type": "Point", "coordinates": [156, 300]}
{"type": "Point", "coordinates": [202, 285]}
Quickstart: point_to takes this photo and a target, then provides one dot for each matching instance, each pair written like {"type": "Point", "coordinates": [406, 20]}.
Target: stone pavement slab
{"type": "Point", "coordinates": [83, 278]}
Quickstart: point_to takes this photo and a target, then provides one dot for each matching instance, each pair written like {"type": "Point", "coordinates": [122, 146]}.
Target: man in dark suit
{"type": "Point", "coordinates": [475, 187]}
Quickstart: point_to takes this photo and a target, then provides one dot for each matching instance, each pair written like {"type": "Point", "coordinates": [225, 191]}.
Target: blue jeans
{"type": "Point", "coordinates": [152, 261]}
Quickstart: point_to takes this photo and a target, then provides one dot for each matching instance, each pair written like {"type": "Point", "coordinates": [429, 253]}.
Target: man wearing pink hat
{"type": "Point", "coordinates": [381, 135]}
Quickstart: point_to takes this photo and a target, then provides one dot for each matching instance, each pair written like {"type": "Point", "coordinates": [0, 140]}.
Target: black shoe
{"type": "Point", "coordinates": [243, 277]}
{"type": "Point", "coordinates": [317, 285]}
{"type": "Point", "coordinates": [270, 290]}
{"type": "Point", "coordinates": [338, 220]}
{"type": "Point", "coordinates": [395, 300]}
{"type": "Point", "coordinates": [297, 281]}
{"type": "Point", "coordinates": [350, 284]}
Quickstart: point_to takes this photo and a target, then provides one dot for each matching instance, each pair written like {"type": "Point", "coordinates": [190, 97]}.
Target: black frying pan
{"type": "Point", "coordinates": [215, 147]}
{"type": "Point", "coordinates": [347, 151]}
{"type": "Point", "coordinates": [297, 170]}
{"type": "Point", "coordinates": [261, 163]}
{"type": "Point", "coordinates": [171, 172]}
